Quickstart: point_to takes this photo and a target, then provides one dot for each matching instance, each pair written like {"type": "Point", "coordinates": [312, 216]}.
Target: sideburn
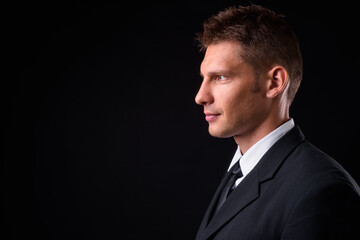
{"type": "Point", "coordinates": [256, 87]}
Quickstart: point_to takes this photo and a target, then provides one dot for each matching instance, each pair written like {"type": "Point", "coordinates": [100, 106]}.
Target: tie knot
{"type": "Point", "coordinates": [236, 170]}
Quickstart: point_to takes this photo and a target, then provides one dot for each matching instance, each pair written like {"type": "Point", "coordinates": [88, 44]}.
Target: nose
{"type": "Point", "coordinates": [204, 95]}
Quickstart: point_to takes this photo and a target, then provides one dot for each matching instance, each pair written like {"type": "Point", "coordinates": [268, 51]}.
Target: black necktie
{"type": "Point", "coordinates": [235, 173]}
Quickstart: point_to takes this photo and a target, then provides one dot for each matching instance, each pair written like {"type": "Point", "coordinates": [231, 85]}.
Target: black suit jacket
{"type": "Point", "coordinates": [294, 192]}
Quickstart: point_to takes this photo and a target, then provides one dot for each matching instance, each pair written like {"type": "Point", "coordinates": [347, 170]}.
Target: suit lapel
{"type": "Point", "coordinates": [235, 203]}
{"type": "Point", "coordinates": [248, 189]}
{"type": "Point", "coordinates": [209, 212]}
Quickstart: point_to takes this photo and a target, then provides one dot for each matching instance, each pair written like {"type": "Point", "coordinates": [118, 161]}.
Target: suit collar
{"type": "Point", "coordinates": [272, 160]}
{"type": "Point", "coordinates": [248, 189]}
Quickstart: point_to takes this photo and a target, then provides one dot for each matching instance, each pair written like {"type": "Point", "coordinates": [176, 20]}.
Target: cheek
{"type": "Point", "coordinates": [236, 100]}
{"type": "Point", "coordinates": [241, 107]}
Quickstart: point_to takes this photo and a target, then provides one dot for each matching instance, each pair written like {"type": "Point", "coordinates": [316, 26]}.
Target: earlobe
{"type": "Point", "coordinates": [277, 81]}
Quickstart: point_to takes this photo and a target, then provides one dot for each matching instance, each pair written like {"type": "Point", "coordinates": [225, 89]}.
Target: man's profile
{"type": "Point", "coordinates": [278, 185]}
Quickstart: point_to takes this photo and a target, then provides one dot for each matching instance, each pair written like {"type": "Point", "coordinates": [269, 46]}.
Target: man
{"type": "Point", "coordinates": [278, 185]}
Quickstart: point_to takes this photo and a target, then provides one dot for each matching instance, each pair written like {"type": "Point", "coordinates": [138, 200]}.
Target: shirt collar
{"type": "Point", "coordinates": [255, 153]}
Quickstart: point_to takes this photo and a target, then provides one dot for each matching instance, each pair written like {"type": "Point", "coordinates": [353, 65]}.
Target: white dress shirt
{"type": "Point", "coordinates": [249, 160]}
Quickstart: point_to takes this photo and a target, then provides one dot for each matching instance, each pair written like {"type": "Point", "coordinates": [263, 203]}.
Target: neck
{"type": "Point", "coordinates": [246, 141]}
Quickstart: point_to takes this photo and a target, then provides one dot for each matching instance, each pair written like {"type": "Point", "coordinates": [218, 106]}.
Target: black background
{"type": "Point", "coordinates": [102, 138]}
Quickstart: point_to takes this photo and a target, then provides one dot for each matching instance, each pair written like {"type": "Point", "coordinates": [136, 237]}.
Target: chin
{"type": "Point", "coordinates": [219, 132]}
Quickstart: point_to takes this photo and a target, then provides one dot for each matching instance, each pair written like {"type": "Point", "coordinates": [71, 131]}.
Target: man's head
{"type": "Point", "coordinates": [252, 62]}
{"type": "Point", "coordinates": [265, 37]}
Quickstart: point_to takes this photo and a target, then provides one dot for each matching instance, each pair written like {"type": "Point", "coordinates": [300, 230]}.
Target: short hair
{"type": "Point", "coordinates": [267, 40]}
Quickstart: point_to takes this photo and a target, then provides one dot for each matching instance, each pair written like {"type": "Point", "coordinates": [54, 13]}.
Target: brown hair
{"type": "Point", "coordinates": [266, 38]}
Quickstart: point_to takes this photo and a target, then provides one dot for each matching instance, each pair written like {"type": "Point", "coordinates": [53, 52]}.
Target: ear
{"type": "Point", "coordinates": [277, 82]}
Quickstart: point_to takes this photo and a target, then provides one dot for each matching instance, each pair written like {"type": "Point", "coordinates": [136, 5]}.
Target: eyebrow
{"type": "Point", "coordinates": [227, 73]}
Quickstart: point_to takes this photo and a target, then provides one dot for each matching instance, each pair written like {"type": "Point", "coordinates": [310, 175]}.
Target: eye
{"type": "Point", "coordinates": [221, 78]}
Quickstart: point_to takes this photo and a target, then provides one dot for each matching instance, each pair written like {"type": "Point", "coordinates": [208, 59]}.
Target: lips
{"type": "Point", "coordinates": [211, 116]}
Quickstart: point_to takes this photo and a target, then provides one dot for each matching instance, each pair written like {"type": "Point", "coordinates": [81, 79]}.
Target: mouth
{"type": "Point", "coordinates": [211, 116]}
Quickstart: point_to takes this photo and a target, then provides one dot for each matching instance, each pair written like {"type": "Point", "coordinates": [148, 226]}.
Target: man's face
{"type": "Point", "coordinates": [233, 102]}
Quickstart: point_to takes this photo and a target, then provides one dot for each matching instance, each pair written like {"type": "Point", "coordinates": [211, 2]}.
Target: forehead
{"type": "Point", "coordinates": [223, 56]}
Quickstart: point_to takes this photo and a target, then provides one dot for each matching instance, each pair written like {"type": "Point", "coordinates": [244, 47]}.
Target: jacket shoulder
{"type": "Point", "coordinates": [327, 202]}
{"type": "Point", "coordinates": [319, 168]}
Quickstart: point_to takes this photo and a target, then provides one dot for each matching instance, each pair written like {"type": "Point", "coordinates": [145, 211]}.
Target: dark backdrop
{"type": "Point", "coordinates": [102, 138]}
